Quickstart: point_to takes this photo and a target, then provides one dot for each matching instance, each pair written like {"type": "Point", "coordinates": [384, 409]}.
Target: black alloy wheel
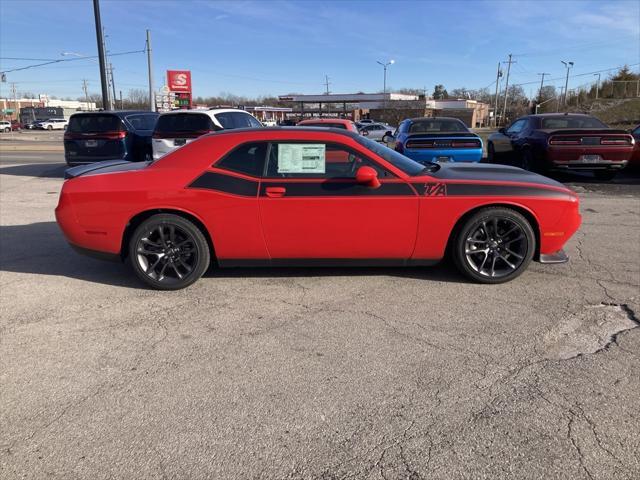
{"type": "Point", "coordinates": [168, 252]}
{"type": "Point", "coordinates": [495, 245]}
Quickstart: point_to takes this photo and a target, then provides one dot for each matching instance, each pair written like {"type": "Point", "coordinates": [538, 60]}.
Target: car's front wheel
{"type": "Point", "coordinates": [50, 127]}
{"type": "Point", "coordinates": [494, 245]}
{"type": "Point", "coordinates": [168, 252]}
{"type": "Point", "coordinates": [491, 153]}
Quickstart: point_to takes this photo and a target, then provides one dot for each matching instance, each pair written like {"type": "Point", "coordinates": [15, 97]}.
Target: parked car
{"type": "Point", "coordinates": [271, 197]}
{"type": "Point", "coordinates": [114, 135]}
{"type": "Point", "coordinates": [365, 121]}
{"type": "Point", "coordinates": [634, 162]}
{"type": "Point", "coordinates": [53, 124]}
{"type": "Point", "coordinates": [562, 141]}
{"type": "Point", "coordinates": [180, 127]}
{"type": "Point", "coordinates": [437, 139]}
{"type": "Point", "coordinates": [330, 123]}
{"type": "Point", "coordinates": [32, 125]}
{"type": "Point", "coordinates": [5, 126]}
{"type": "Point", "coordinates": [375, 131]}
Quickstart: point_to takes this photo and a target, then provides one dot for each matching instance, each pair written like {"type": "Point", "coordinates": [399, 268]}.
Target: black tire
{"type": "Point", "coordinates": [508, 242]}
{"type": "Point", "coordinates": [527, 162]}
{"type": "Point", "coordinates": [7, 130]}
{"type": "Point", "coordinates": [168, 252]}
{"type": "Point", "coordinates": [50, 127]}
{"type": "Point", "coordinates": [605, 175]}
{"type": "Point", "coordinates": [491, 153]}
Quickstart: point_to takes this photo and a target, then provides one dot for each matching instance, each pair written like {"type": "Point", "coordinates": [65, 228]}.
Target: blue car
{"type": "Point", "coordinates": [109, 135]}
{"type": "Point", "coordinates": [437, 139]}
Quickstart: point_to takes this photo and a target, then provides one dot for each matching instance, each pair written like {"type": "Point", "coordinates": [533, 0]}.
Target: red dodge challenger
{"type": "Point", "coordinates": [311, 196]}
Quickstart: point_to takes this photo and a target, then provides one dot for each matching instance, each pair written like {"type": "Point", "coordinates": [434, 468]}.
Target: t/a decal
{"type": "Point", "coordinates": [435, 189]}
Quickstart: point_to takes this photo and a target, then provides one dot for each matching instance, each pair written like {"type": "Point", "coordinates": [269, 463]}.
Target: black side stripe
{"type": "Point", "coordinates": [226, 183]}
{"type": "Point", "coordinates": [338, 189]}
{"type": "Point", "coordinates": [484, 190]}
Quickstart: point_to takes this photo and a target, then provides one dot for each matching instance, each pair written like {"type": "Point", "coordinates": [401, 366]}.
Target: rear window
{"type": "Point", "coordinates": [230, 120]}
{"type": "Point", "coordinates": [571, 122]}
{"type": "Point", "coordinates": [247, 159]}
{"type": "Point", "coordinates": [142, 121]}
{"type": "Point", "coordinates": [95, 124]}
{"type": "Point", "coordinates": [184, 122]}
{"type": "Point", "coordinates": [435, 126]}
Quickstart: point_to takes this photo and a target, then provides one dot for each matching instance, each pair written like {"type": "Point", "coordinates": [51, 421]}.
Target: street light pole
{"type": "Point", "coordinates": [103, 68]}
{"type": "Point", "coordinates": [384, 85]}
{"type": "Point", "coordinates": [152, 99]}
{"type": "Point", "coordinates": [568, 66]}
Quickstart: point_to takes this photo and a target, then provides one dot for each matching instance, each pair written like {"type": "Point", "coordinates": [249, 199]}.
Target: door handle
{"type": "Point", "coordinates": [275, 192]}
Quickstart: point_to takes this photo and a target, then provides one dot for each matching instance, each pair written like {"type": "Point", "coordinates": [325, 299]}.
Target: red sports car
{"type": "Point", "coordinates": [292, 196]}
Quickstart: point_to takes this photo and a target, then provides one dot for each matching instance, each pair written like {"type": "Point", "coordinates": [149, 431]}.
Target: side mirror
{"type": "Point", "coordinates": [364, 133]}
{"type": "Point", "coordinates": [387, 138]}
{"type": "Point", "coordinates": [502, 131]}
{"type": "Point", "coordinates": [367, 176]}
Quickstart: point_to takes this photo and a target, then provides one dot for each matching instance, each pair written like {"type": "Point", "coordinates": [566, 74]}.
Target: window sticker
{"type": "Point", "coordinates": [301, 157]}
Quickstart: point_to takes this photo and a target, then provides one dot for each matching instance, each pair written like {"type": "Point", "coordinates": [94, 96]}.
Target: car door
{"type": "Point", "coordinates": [503, 142]}
{"type": "Point", "coordinates": [311, 207]}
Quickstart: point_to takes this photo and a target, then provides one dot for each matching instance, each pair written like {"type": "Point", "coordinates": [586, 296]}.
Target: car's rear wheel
{"type": "Point", "coordinates": [491, 153]}
{"type": "Point", "coordinates": [494, 245]}
{"type": "Point", "coordinates": [7, 130]}
{"type": "Point", "coordinates": [605, 175]}
{"type": "Point", "coordinates": [50, 127]}
{"type": "Point", "coordinates": [168, 252]}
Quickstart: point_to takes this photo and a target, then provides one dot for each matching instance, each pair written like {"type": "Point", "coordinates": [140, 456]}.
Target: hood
{"type": "Point", "coordinates": [491, 173]}
{"type": "Point", "coordinates": [108, 166]}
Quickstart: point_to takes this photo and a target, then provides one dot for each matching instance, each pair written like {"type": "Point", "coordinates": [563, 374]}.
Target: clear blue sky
{"type": "Point", "coordinates": [278, 47]}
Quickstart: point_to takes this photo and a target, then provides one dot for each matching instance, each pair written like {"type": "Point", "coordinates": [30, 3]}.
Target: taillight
{"type": "Point", "coordinates": [465, 144]}
{"type": "Point", "coordinates": [615, 141]}
{"type": "Point", "coordinates": [114, 135]}
{"type": "Point", "coordinates": [117, 135]}
{"type": "Point", "coordinates": [565, 141]}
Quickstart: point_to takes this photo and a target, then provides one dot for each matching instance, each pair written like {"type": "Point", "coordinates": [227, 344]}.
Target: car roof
{"type": "Point", "coordinates": [434, 118]}
{"type": "Point", "coordinates": [118, 113]}
{"type": "Point", "coordinates": [296, 130]}
{"type": "Point", "coordinates": [211, 112]}
{"type": "Point", "coordinates": [324, 120]}
{"type": "Point", "coordinates": [566, 114]}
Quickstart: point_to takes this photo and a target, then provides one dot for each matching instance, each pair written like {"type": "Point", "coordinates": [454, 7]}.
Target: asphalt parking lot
{"type": "Point", "coordinates": [316, 373]}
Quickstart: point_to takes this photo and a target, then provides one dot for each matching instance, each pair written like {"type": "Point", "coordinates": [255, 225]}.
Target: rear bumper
{"type": "Point", "coordinates": [568, 158]}
{"type": "Point", "coordinates": [451, 155]}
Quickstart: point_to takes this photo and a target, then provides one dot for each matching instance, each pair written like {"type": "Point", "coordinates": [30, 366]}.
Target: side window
{"type": "Point", "coordinates": [248, 159]}
{"type": "Point", "coordinates": [517, 126]}
{"type": "Point", "coordinates": [316, 160]}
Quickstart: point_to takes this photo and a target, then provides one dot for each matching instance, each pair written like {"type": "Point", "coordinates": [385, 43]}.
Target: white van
{"type": "Point", "coordinates": [174, 129]}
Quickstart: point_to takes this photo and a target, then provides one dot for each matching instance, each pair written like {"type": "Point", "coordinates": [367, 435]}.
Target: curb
{"type": "Point", "coordinates": [31, 148]}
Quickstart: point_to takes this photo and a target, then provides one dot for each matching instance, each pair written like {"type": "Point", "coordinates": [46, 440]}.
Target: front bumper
{"type": "Point", "coordinates": [556, 257]}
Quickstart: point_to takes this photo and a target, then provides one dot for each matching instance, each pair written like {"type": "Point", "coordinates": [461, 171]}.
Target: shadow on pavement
{"type": "Point", "coordinates": [40, 248]}
{"type": "Point", "coordinates": [41, 170]}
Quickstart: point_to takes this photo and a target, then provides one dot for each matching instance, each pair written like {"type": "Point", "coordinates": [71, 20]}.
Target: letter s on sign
{"type": "Point", "coordinates": [180, 79]}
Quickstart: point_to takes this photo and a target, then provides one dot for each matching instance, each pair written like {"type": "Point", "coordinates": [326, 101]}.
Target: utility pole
{"type": "Point", "coordinates": [103, 70]}
{"type": "Point", "coordinates": [152, 99]}
{"type": "Point", "coordinates": [495, 110]}
{"type": "Point", "coordinates": [86, 93]}
{"type": "Point", "coordinates": [15, 101]}
{"type": "Point", "coordinates": [113, 86]}
{"type": "Point", "coordinates": [541, 85]}
{"type": "Point", "coordinates": [568, 66]}
{"type": "Point", "coordinates": [326, 84]}
{"type": "Point", "coordinates": [597, 84]}
{"type": "Point", "coordinates": [506, 88]}
{"type": "Point", "coordinates": [121, 107]}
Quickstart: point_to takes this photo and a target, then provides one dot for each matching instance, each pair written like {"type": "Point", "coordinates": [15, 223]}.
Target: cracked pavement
{"type": "Point", "coordinates": [313, 373]}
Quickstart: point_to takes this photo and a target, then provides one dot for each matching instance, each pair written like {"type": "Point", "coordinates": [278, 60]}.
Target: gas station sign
{"type": "Point", "coordinates": [179, 84]}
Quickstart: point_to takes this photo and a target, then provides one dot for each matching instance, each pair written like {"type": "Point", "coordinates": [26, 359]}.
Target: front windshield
{"type": "Point", "coordinates": [396, 159]}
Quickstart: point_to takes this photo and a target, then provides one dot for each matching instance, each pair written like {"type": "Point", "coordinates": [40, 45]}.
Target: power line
{"type": "Point", "coordinates": [60, 60]}
{"type": "Point", "coordinates": [579, 74]}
